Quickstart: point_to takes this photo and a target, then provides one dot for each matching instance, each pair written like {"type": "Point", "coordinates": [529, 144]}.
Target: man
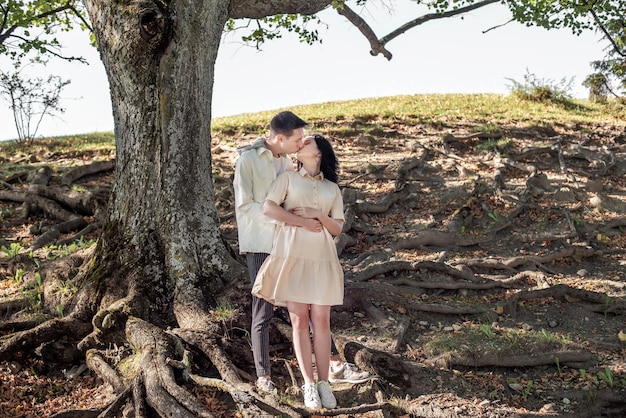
{"type": "Point", "coordinates": [257, 167]}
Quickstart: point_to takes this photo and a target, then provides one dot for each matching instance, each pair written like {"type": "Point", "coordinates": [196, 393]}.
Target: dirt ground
{"type": "Point", "coordinates": [485, 273]}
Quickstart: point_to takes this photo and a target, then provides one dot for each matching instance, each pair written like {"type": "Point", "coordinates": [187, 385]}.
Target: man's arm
{"type": "Point", "coordinates": [244, 195]}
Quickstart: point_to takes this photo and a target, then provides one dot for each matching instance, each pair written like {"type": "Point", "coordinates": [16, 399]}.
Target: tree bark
{"type": "Point", "coordinates": [162, 220]}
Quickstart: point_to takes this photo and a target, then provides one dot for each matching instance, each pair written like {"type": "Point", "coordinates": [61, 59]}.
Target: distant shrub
{"type": "Point", "coordinates": [541, 90]}
{"type": "Point", "coordinates": [607, 80]}
{"type": "Point", "coordinates": [30, 100]}
{"type": "Point", "coordinates": [598, 87]}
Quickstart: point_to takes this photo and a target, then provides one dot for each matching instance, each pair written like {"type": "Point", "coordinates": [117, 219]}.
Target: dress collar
{"type": "Point", "coordinates": [305, 173]}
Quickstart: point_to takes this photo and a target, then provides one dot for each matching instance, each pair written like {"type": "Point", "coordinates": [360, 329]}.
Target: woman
{"type": "Point", "coordinates": [303, 272]}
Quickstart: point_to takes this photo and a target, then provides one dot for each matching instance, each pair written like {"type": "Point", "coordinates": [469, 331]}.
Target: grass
{"type": "Point", "coordinates": [99, 141]}
{"type": "Point", "coordinates": [374, 116]}
{"type": "Point", "coordinates": [485, 110]}
{"type": "Point", "coordinates": [481, 339]}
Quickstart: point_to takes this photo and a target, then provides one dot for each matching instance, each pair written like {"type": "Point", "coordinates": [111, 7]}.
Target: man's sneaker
{"type": "Point", "coordinates": [348, 373]}
{"type": "Point", "coordinates": [264, 384]}
{"type": "Point", "coordinates": [326, 395]}
{"type": "Point", "coordinates": [311, 397]}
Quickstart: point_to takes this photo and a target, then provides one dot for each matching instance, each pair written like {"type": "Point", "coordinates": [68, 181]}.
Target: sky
{"type": "Point", "coordinates": [453, 55]}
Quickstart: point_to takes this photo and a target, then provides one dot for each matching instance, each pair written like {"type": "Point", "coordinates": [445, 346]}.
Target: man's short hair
{"type": "Point", "coordinates": [285, 123]}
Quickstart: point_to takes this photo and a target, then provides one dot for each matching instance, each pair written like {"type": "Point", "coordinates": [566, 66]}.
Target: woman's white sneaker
{"type": "Point", "coordinates": [326, 395]}
{"type": "Point", "coordinates": [311, 396]}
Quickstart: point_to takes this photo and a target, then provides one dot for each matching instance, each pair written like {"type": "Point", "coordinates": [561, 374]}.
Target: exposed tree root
{"type": "Point", "coordinates": [122, 400]}
{"type": "Point", "coordinates": [354, 411]}
{"type": "Point", "coordinates": [375, 269]}
{"type": "Point", "coordinates": [163, 394]}
{"type": "Point", "coordinates": [575, 252]}
{"type": "Point", "coordinates": [401, 331]}
{"type": "Point", "coordinates": [96, 167]}
{"type": "Point", "coordinates": [537, 359]}
{"type": "Point", "coordinates": [214, 352]}
{"type": "Point", "coordinates": [14, 305]}
{"type": "Point", "coordinates": [600, 302]}
{"type": "Point", "coordinates": [59, 204]}
{"type": "Point", "coordinates": [51, 208]}
{"type": "Point", "coordinates": [84, 203]}
{"type": "Point", "coordinates": [402, 374]}
{"type": "Point", "coordinates": [78, 413]}
{"type": "Point", "coordinates": [491, 284]}
{"type": "Point", "coordinates": [384, 204]}
{"type": "Point", "coordinates": [248, 401]}
{"type": "Point", "coordinates": [72, 224]}
{"type": "Point", "coordinates": [606, 404]}
{"type": "Point", "coordinates": [101, 367]}
{"type": "Point", "coordinates": [426, 238]}
{"type": "Point", "coordinates": [13, 326]}
{"type": "Point", "coordinates": [51, 330]}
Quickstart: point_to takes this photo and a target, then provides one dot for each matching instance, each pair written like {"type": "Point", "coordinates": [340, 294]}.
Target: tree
{"type": "Point", "coordinates": [606, 17]}
{"type": "Point", "coordinates": [160, 261]}
{"type": "Point", "coordinates": [31, 100]}
{"type": "Point", "coordinates": [27, 30]}
{"type": "Point", "coordinates": [610, 73]}
{"type": "Point", "coordinates": [20, 19]}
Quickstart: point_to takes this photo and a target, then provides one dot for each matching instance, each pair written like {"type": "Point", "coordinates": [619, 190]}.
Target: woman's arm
{"type": "Point", "coordinates": [334, 226]}
{"type": "Point", "coordinates": [272, 210]}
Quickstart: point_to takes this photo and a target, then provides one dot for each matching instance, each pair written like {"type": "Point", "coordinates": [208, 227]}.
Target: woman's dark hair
{"type": "Point", "coordinates": [329, 164]}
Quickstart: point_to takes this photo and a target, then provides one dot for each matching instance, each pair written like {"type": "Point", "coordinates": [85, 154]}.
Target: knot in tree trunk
{"type": "Point", "coordinates": [155, 25]}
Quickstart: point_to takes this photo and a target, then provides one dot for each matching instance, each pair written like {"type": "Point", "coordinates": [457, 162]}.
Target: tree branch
{"type": "Point", "coordinates": [9, 31]}
{"type": "Point", "coordinates": [254, 9]}
{"type": "Point", "coordinates": [606, 33]}
{"type": "Point", "coordinates": [430, 16]}
{"type": "Point", "coordinates": [356, 20]}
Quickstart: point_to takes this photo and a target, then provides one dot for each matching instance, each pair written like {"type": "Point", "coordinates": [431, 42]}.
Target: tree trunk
{"type": "Point", "coordinates": [162, 227]}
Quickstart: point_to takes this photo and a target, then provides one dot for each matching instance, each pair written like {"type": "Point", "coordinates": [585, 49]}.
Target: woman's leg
{"type": "Point", "coordinates": [320, 317]}
{"type": "Point", "coordinates": [299, 315]}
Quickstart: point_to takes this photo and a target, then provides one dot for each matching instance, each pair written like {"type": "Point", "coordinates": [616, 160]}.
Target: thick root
{"type": "Point", "coordinates": [51, 330]}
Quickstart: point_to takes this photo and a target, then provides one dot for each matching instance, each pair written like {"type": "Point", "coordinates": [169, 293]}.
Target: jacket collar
{"type": "Point", "coordinates": [259, 145]}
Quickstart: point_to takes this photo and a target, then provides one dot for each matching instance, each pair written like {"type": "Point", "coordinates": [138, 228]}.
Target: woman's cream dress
{"type": "Point", "coordinates": [303, 266]}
